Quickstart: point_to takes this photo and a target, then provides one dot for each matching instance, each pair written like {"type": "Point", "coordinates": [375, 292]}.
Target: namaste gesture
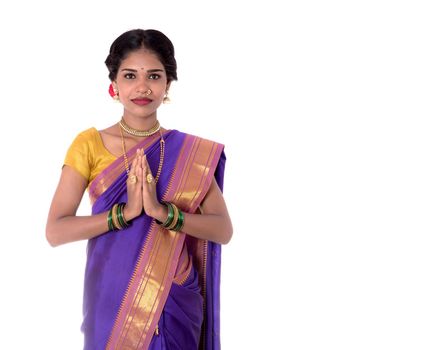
{"type": "Point", "coordinates": [142, 191]}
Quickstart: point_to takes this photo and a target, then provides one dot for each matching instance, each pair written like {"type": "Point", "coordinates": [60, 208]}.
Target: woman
{"type": "Point", "coordinates": [158, 214]}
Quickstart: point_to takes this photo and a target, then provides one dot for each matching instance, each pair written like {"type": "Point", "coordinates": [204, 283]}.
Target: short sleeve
{"type": "Point", "coordinates": [78, 155]}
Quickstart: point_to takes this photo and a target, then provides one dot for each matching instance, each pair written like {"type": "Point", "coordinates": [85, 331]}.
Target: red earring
{"type": "Point", "coordinates": [113, 93]}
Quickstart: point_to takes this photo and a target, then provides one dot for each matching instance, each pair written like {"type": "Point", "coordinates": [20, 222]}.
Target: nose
{"type": "Point", "coordinates": [142, 85]}
{"type": "Point", "coordinates": [142, 88]}
{"type": "Point", "coordinates": [144, 91]}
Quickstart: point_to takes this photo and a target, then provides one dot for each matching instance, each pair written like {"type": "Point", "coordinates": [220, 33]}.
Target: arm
{"type": "Point", "coordinates": [63, 226]}
{"type": "Point", "coordinates": [212, 224]}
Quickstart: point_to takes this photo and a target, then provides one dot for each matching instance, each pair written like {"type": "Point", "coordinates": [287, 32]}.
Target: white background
{"type": "Point", "coordinates": [333, 114]}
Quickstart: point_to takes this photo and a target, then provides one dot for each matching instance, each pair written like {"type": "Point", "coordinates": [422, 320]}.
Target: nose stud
{"type": "Point", "coordinates": [148, 92]}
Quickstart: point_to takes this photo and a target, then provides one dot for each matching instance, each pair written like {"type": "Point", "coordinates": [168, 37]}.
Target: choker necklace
{"type": "Point", "coordinates": [162, 150]}
{"type": "Point", "coordinates": [140, 133]}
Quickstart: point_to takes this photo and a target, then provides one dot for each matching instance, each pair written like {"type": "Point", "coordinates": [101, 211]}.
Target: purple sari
{"type": "Point", "coordinates": [147, 287]}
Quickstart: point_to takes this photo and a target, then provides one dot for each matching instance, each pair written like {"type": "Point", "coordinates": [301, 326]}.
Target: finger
{"type": "Point", "coordinates": [139, 176]}
{"type": "Point", "coordinates": [146, 165]}
{"type": "Point", "coordinates": [149, 177]}
{"type": "Point", "coordinates": [133, 166]}
{"type": "Point", "coordinates": [140, 159]}
{"type": "Point", "coordinates": [146, 170]}
{"type": "Point", "coordinates": [143, 174]}
{"type": "Point", "coordinates": [132, 176]}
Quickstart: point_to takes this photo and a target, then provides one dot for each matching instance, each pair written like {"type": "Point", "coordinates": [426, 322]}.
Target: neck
{"type": "Point", "coordinates": [140, 122]}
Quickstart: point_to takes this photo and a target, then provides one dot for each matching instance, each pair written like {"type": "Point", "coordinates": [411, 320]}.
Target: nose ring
{"type": "Point", "coordinates": [148, 92]}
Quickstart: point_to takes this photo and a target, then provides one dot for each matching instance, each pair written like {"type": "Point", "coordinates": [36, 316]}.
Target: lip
{"type": "Point", "coordinates": [142, 101]}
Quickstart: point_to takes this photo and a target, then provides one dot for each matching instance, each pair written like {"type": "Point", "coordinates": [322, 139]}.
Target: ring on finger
{"type": "Point", "coordinates": [149, 178]}
{"type": "Point", "coordinates": [132, 179]}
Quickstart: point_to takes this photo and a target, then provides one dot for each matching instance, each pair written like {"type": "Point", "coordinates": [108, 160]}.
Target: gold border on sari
{"type": "Point", "coordinates": [153, 275]}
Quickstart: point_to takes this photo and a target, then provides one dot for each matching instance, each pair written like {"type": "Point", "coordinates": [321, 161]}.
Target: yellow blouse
{"type": "Point", "coordinates": [88, 155]}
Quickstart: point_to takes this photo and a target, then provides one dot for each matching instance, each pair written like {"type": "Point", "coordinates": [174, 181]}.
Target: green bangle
{"type": "Point", "coordinates": [180, 222]}
{"type": "Point", "coordinates": [119, 213]}
{"type": "Point", "coordinates": [175, 219]}
{"type": "Point", "coordinates": [115, 217]}
{"type": "Point", "coordinates": [110, 222]}
{"type": "Point", "coordinates": [170, 215]}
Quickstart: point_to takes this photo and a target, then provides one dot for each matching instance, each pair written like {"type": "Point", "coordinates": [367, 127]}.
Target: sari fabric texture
{"type": "Point", "coordinates": [147, 287]}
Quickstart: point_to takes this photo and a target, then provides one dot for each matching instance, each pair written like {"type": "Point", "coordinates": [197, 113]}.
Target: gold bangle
{"type": "Point", "coordinates": [174, 221]}
{"type": "Point", "coordinates": [115, 217]}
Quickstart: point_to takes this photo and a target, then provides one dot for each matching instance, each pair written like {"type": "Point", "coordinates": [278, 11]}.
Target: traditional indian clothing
{"type": "Point", "coordinates": [147, 287]}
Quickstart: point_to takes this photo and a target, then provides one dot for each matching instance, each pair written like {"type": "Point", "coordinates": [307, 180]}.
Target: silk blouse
{"type": "Point", "coordinates": [88, 155]}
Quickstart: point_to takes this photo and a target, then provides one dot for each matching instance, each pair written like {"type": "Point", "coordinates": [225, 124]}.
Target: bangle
{"type": "Point", "coordinates": [120, 215]}
{"type": "Point", "coordinates": [180, 222]}
{"type": "Point", "coordinates": [109, 221]}
{"type": "Point", "coordinates": [174, 222]}
{"type": "Point", "coordinates": [175, 219]}
{"type": "Point", "coordinates": [170, 216]}
{"type": "Point", "coordinates": [115, 217]}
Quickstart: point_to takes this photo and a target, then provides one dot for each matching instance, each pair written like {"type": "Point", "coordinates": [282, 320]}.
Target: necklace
{"type": "Point", "coordinates": [140, 133]}
{"type": "Point", "coordinates": [162, 152]}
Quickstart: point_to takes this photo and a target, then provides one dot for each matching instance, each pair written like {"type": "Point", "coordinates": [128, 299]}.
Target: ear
{"type": "Point", "coordinates": [168, 85]}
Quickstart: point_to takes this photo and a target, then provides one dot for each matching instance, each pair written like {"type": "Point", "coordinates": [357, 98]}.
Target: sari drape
{"type": "Point", "coordinates": [132, 287]}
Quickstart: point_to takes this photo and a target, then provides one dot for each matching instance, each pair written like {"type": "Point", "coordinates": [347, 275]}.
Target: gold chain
{"type": "Point", "coordinates": [162, 157]}
{"type": "Point", "coordinates": [126, 162]}
{"type": "Point", "coordinates": [162, 153]}
{"type": "Point", "coordinates": [139, 133]}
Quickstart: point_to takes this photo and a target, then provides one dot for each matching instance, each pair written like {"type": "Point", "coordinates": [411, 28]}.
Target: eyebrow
{"type": "Point", "coordinates": [135, 70]}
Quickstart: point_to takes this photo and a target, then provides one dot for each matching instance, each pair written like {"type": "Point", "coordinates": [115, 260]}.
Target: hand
{"type": "Point", "coordinates": [151, 205]}
{"type": "Point", "coordinates": [134, 204]}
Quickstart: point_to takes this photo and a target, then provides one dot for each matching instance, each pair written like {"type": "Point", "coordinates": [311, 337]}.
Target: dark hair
{"type": "Point", "coordinates": [136, 39]}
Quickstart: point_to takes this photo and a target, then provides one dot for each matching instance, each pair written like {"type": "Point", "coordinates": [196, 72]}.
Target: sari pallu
{"type": "Point", "coordinates": [129, 273]}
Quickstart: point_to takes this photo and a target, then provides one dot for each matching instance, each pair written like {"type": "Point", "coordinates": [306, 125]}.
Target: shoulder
{"type": "Point", "coordinates": [83, 143]}
{"type": "Point", "coordinates": [85, 139]}
{"type": "Point", "coordinates": [195, 138]}
{"type": "Point", "coordinates": [87, 134]}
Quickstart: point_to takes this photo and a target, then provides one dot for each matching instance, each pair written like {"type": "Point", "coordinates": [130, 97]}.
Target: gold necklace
{"type": "Point", "coordinates": [139, 133]}
{"type": "Point", "coordinates": [162, 154]}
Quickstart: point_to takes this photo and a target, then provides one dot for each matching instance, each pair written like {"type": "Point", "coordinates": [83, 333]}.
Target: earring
{"type": "Point", "coordinates": [114, 93]}
{"type": "Point", "coordinates": [166, 99]}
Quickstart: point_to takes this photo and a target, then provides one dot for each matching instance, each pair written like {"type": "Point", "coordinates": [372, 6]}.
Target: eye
{"type": "Point", "coordinates": [129, 76]}
{"type": "Point", "coordinates": [154, 76]}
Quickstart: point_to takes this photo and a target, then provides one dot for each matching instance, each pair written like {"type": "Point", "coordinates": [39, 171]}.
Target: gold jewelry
{"type": "Point", "coordinates": [140, 133]}
{"type": "Point", "coordinates": [115, 217]}
{"type": "Point", "coordinates": [133, 178]}
{"type": "Point", "coordinates": [176, 214]}
{"type": "Point", "coordinates": [126, 161]}
{"type": "Point", "coordinates": [149, 178]}
{"type": "Point", "coordinates": [148, 92]}
{"type": "Point", "coordinates": [116, 96]}
{"type": "Point", "coordinates": [166, 99]}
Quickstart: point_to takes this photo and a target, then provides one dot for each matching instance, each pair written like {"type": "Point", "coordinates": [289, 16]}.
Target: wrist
{"type": "Point", "coordinates": [129, 214]}
{"type": "Point", "coordinates": [174, 218]}
{"type": "Point", "coordinates": [160, 212]}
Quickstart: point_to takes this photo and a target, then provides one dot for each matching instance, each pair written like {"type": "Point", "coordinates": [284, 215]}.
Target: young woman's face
{"type": "Point", "coordinates": [141, 83]}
